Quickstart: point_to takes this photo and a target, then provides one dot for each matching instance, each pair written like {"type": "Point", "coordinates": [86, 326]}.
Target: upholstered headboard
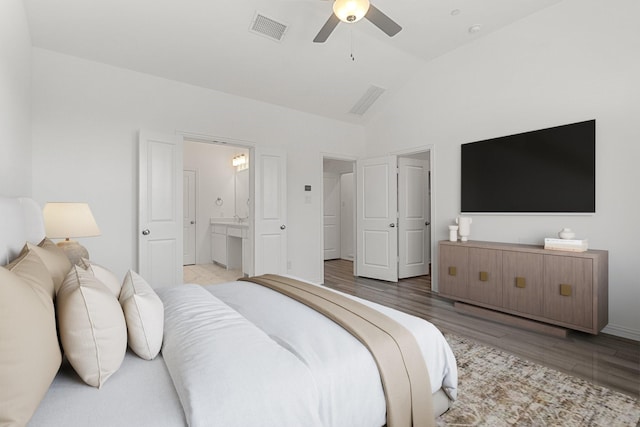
{"type": "Point", "coordinates": [20, 221]}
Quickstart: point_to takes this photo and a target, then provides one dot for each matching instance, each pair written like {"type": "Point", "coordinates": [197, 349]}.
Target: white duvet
{"type": "Point", "coordinates": [244, 355]}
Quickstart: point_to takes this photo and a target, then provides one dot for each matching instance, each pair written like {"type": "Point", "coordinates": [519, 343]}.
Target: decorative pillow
{"type": "Point", "coordinates": [32, 270]}
{"type": "Point", "coordinates": [92, 327]}
{"type": "Point", "coordinates": [104, 275]}
{"type": "Point", "coordinates": [54, 258]}
{"type": "Point", "coordinates": [144, 313]}
{"type": "Point", "coordinates": [29, 350]}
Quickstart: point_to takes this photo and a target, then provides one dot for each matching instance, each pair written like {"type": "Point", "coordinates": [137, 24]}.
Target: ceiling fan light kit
{"type": "Point", "coordinates": [350, 11]}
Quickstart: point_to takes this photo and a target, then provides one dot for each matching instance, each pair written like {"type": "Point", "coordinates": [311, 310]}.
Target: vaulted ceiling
{"type": "Point", "coordinates": [208, 43]}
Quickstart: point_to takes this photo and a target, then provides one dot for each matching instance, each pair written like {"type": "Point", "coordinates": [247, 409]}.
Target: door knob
{"type": "Point", "coordinates": [282, 227]}
{"type": "Point", "coordinates": [392, 225]}
{"type": "Point", "coordinates": [193, 222]}
{"type": "Point", "coordinates": [146, 232]}
{"type": "Point", "coordinates": [427, 223]}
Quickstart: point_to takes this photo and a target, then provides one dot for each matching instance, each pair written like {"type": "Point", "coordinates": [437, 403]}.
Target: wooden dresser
{"type": "Point", "coordinates": [567, 289]}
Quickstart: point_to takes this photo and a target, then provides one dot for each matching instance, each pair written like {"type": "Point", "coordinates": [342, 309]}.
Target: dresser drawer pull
{"type": "Point", "coordinates": [565, 290]}
{"type": "Point", "coordinates": [521, 282]}
{"type": "Point", "coordinates": [484, 276]}
{"type": "Point", "coordinates": [452, 271]}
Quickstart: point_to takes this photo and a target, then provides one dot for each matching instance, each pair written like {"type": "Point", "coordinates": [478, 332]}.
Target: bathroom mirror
{"type": "Point", "coordinates": [242, 194]}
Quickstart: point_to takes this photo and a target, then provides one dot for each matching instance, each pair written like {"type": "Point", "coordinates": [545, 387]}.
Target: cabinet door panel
{"type": "Point", "coordinates": [523, 282]}
{"type": "Point", "coordinates": [568, 294]}
{"type": "Point", "coordinates": [485, 276]}
{"type": "Point", "coordinates": [453, 262]}
{"type": "Point", "coordinates": [219, 248]}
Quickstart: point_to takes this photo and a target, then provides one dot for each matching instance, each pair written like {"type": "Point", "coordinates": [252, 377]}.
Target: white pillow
{"type": "Point", "coordinates": [104, 275]}
{"type": "Point", "coordinates": [92, 327]}
{"type": "Point", "coordinates": [29, 350]}
{"type": "Point", "coordinates": [53, 258]}
{"type": "Point", "coordinates": [144, 314]}
{"type": "Point", "coordinates": [30, 268]}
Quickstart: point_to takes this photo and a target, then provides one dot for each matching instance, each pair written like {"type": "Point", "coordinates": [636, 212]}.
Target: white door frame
{"type": "Point", "coordinates": [432, 214]}
{"type": "Point", "coordinates": [346, 158]}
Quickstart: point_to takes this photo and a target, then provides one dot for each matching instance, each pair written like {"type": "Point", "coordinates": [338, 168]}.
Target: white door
{"type": "Point", "coordinates": [160, 209]}
{"type": "Point", "coordinates": [189, 217]}
{"type": "Point", "coordinates": [270, 190]}
{"type": "Point", "coordinates": [376, 218]}
{"type": "Point", "coordinates": [413, 217]}
{"type": "Point", "coordinates": [347, 216]}
{"type": "Point", "coordinates": [331, 217]}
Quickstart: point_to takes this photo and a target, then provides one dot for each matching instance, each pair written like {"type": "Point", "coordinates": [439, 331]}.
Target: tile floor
{"type": "Point", "coordinates": [205, 274]}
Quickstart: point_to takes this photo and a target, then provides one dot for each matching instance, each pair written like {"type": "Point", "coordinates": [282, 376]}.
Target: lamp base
{"type": "Point", "coordinates": [74, 251]}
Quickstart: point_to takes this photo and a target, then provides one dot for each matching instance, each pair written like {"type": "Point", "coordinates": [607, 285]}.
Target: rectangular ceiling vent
{"type": "Point", "coordinates": [267, 27]}
{"type": "Point", "coordinates": [367, 100]}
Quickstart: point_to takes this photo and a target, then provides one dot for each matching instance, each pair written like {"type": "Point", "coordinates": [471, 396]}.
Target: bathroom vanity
{"type": "Point", "coordinates": [230, 245]}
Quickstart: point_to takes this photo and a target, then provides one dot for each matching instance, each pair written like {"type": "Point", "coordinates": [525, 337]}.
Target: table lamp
{"type": "Point", "coordinates": [67, 220]}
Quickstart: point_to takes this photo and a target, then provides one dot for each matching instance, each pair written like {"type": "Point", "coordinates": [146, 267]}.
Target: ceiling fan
{"type": "Point", "coordinates": [351, 11]}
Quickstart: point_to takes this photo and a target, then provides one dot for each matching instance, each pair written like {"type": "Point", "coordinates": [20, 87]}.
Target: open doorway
{"type": "Point", "coordinates": [338, 209]}
{"type": "Point", "coordinates": [216, 212]}
{"type": "Point", "coordinates": [400, 190]}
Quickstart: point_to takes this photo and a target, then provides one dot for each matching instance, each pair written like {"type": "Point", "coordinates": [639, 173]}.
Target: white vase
{"type": "Point", "coordinates": [453, 233]}
{"type": "Point", "coordinates": [464, 229]}
{"type": "Point", "coordinates": [566, 233]}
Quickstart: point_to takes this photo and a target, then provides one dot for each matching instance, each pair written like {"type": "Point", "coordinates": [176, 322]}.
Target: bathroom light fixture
{"type": "Point", "coordinates": [239, 160]}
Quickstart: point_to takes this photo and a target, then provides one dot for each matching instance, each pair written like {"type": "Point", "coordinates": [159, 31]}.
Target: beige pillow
{"type": "Point", "coordinates": [32, 270]}
{"type": "Point", "coordinates": [92, 327]}
{"type": "Point", "coordinates": [29, 350]}
{"type": "Point", "coordinates": [104, 275]}
{"type": "Point", "coordinates": [54, 258]}
{"type": "Point", "coordinates": [144, 313]}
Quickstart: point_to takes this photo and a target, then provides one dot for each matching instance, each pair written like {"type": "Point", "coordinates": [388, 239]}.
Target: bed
{"type": "Point", "coordinates": [233, 354]}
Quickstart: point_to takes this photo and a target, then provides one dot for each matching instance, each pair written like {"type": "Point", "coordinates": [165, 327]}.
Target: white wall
{"type": "Point", "coordinates": [575, 61]}
{"type": "Point", "coordinates": [86, 118]}
{"type": "Point", "coordinates": [15, 100]}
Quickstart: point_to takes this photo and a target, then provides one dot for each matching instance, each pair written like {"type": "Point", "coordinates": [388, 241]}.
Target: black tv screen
{"type": "Point", "coordinates": [544, 171]}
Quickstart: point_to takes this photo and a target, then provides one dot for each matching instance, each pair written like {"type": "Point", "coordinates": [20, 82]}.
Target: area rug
{"type": "Point", "coordinates": [496, 388]}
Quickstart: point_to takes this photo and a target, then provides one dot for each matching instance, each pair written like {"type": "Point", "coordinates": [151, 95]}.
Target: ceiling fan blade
{"type": "Point", "coordinates": [382, 21]}
{"type": "Point", "coordinates": [327, 29]}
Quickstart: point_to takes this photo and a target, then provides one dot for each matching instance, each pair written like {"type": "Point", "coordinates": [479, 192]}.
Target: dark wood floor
{"type": "Point", "coordinates": [603, 359]}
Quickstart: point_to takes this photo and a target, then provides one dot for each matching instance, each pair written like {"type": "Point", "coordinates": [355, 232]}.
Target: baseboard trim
{"type": "Point", "coordinates": [622, 331]}
{"type": "Point", "coordinates": [509, 319]}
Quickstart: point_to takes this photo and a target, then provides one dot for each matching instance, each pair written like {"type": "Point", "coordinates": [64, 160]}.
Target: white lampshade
{"type": "Point", "coordinates": [65, 220]}
{"type": "Point", "coordinates": [350, 11]}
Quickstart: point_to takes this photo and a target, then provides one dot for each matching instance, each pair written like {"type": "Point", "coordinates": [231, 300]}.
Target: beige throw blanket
{"type": "Point", "coordinates": [403, 371]}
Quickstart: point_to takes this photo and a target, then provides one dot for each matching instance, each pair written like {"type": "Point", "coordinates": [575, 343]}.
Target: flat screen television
{"type": "Point", "coordinates": [544, 171]}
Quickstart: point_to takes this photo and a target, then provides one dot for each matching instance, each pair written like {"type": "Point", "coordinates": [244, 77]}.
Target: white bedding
{"type": "Point", "coordinates": [228, 372]}
{"type": "Point", "coordinates": [248, 324]}
{"type": "Point", "coordinates": [219, 375]}
{"type": "Point", "coordinates": [139, 394]}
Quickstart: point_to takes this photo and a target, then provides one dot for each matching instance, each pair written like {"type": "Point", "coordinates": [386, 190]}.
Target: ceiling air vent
{"type": "Point", "coordinates": [367, 100]}
{"type": "Point", "coordinates": [267, 27]}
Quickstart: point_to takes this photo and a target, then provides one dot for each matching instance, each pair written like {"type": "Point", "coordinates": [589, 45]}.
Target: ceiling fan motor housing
{"type": "Point", "coordinates": [350, 10]}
